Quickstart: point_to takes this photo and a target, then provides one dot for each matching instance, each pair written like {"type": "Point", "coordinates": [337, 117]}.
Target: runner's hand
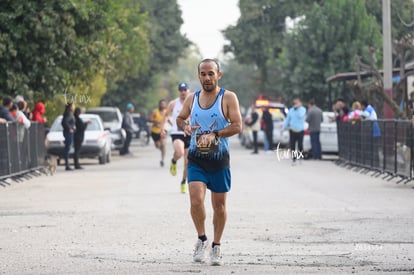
{"type": "Point", "coordinates": [188, 129]}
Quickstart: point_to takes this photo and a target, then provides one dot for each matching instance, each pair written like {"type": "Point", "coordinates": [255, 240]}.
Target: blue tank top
{"type": "Point", "coordinates": [215, 156]}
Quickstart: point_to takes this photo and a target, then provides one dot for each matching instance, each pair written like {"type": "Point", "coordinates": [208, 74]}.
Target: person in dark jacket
{"type": "Point", "coordinates": [127, 123]}
{"type": "Point", "coordinates": [78, 136]}
{"type": "Point", "coordinates": [254, 123]}
{"type": "Point", "coordinates": [69, 127]}
{"type": "Point", "coordinates": [268, 129]}
{"type": "Point", "coordinates": [5, 109]}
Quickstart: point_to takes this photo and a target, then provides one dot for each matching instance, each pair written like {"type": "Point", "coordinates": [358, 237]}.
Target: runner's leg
{"type": "Point", "coordinates": [178, 146]}
{"type": "Point", "coordinates": [218, 201]}
{"type": "Point", "coordinates": [185, 170]}
{"type": "Point", "coordinates": [198, 212]}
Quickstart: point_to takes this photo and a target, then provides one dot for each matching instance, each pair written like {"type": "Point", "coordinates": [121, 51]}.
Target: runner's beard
{"type": "Point", "coordinates": [209, 87]}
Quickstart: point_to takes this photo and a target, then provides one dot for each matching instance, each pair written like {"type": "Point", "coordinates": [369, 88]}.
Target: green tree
{"type": "Point", "coordinates": [326, 43]}
{"type": "Point", "coordinates": [402, 13]}
{"type": "Point", "coordinates": [240, 79]}
{"type": "Point", "coordinates": [167, 45]}
{"type": "Point", "coordinates": [258, 35]}
{"type": "Point", "coordinates": [48, 48]}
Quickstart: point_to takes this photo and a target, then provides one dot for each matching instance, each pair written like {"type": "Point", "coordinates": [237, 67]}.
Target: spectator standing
{"type": "Point", "coordinates": [19, 116]}
{"type": "Point", "coordinates": [38, 112]}
{"type": "Point", "coordinates": [314, 118]}
{"type": "Point", "coordinates": [337, 107]}
{"type": "Point", "coordinates": [295, 121]}
{"type": "Point", "coordinates": [23, 106]}
{"type": "Point", "coordinates": [344, 114]}
{"type": "Point", "coordinates": [356, 112]}
{"type": "Point", "coordinates": [22, 135]}
{"type": "Point", "coordinates": [370, 114]}
{"type": "Point", "coordinates": [254, 123]}
{"type": "Point", "coordinates": [69, 126]}
{"type": "Point", "coordinates": [5, 110]}
{"type": "Point", "coordinates": [268, 130]}
{"type": "Point", "coordinates": [78, 136]}
{"type": "Point", "coordinates": [127, 123]}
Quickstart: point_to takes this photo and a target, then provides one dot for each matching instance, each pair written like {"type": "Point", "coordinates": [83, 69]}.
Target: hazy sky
{"type": "Point", "coordinates": [203, 21]}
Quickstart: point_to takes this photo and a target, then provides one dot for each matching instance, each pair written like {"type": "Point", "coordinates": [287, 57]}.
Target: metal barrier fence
{"type": "Point", "coordinates": [384, 146]}
{"type": "Point", "coordinates": [21, 150]}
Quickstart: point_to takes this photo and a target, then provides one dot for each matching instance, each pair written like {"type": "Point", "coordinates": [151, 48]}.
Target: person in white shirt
{"type": "Point", "coordinates": [181, 143]}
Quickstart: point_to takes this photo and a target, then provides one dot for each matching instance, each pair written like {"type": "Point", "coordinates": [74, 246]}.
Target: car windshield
{"type": "Point", "coordinates": [106, 116]}
{"type": "Point", "coordinates": [93, 126]}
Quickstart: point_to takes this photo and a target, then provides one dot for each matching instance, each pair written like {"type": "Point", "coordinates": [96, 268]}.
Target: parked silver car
{"type": "Point", "coordinates": [112, 120]}
{"type": "Point", "coordinates": [96, 144]}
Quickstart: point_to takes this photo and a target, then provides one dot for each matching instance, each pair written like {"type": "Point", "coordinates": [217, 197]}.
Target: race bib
{"type": "Point", "coordinates": [206, 145]}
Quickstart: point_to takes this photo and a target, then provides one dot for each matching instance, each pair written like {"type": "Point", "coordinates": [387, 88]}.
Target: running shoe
{"type": "Point", "coordinates": [215, 256]}
{"type": "Point", "coordinates": [173, 168]}
{"type": "Point", "coordinates": [162, 163]}
{"type": "Point", "coordinates": [183, 188]}
{"type": "Point", "coordinates": [200, 251]}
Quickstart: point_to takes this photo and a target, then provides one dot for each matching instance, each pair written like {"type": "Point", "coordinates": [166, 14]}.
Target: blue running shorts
{"type": "Point", "coordinates": [217, 182]}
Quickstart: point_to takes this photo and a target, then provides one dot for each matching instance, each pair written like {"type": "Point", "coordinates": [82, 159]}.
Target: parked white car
{"type": "Point", "coordinates": [112, 120]}
{"type": "Point", "coordinates": [96, 143]}
{"type": "Point", "coordinates": [328, 136]}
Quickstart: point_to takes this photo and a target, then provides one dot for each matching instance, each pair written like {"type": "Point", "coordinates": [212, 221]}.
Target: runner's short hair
{"type": "Point", "coordinates": [209, 60]}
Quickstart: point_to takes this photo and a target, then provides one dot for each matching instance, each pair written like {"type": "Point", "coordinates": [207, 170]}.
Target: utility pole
{"type": "Point", "coordinates": [387, 55]}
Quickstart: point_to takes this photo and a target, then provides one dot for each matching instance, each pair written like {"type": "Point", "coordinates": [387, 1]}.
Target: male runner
{"type": "Point", "coordinates": [157, 132]}
{"type": "Point", "coordinates": [180, 142]}
{"type": "Point", "coordinates": [215, 116]}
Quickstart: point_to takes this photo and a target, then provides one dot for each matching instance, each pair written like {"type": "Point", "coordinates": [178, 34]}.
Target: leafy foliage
{"type": "Point", "coordinates": [58, 49]}
{"type": "Point", "coordinates": [297, 61]}
{"type": "Point", "coordinates": [320, 48]}
{"type": "Point", "coordinates": [167, 45]}
{"type": "Point", "coordinates": [258, 35]}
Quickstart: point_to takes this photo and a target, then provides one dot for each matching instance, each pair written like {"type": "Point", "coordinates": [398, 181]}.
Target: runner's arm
{"type": "Point", "coordinates": [168, 112]}
{"type": "Point", "coordinates": [232, 114]}
{"type": "Point", "coordinates": [182, 118]}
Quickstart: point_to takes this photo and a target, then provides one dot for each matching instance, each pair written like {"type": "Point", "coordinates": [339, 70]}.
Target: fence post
{"type": "Point", "coordinates": [395, 147]}
{"type": "Point", "coordinates": [8, 148]}
{"type": "Point", "coordinates": [411, 143]}
{"type": "Point", "coordinates": [384, 148]}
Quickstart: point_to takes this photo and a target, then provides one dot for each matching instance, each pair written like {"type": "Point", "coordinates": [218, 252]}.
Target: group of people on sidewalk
{"type": "Point", "coordinates": [74, 132]}
{"type": "Point", "coordinates": [294, 121]}
{"type": "Point", "coordinates": [263, 122]}
{"type": "Point", "coordinates": [313, 115]}
{"type": "Point", "coordinates": [17, 110]}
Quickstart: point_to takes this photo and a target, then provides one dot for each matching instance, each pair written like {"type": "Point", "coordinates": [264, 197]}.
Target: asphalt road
{"type": "Point", "coordinates": [128, 217]}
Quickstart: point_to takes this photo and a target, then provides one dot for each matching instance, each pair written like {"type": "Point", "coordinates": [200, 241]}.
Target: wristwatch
{"type": "Point", "coordinates": [215, 132]}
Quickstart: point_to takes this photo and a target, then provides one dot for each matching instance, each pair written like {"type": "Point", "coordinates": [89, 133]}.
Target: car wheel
{"type": "Point", "coordinates": [102, 159]}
